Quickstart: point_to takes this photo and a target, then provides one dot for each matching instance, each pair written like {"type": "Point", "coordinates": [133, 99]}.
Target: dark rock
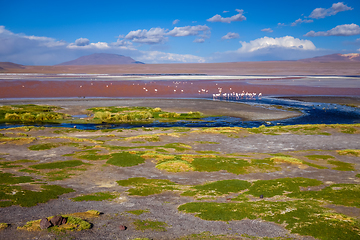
{"type": "Point", "coordinates": [56, 220]}
{"type": "Point", "coordinates": [261, 196]}
{"type": "Point", "coordinates": [63, 221]}
{"type": "Point", "coordinates": [44, 223]}
{"type": "Point", "coordinates": [122, 228]}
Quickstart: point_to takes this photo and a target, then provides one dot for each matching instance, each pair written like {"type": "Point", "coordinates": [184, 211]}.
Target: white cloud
{"type": "Point", "coordinates": [281, 24]}
{"type": "Point", "coordinates": [159, 35]}
{"type": "Point", "coordinates": [25, 49]}
{"type": "Point", "coordinates": [199, 40]}
{"type": "Point", "coordinates": [153, 36]}
{"type": "Point", "coordinates": [82, 42]}
{"type": "Point", "coordinates": [188, 31]}
{"type": "Point", "coordinates": [175, 21]}
{"type": "Point", "coordinates": [3, 30]}
{"type": "Point", "coordinates": [9, 40]}
{"type": "Point", "coordinates": [45, 41]}
{"type": "Point", "coordinates": [325, 12]}
{"type": "Point", "coordinates": [340, 30]}
{"type": "Point", "coordinates": [287, 42]}
{"type": "Point", "coordinates": [230, 35]}
{"type": "Point", "coordinates": [267, 30]}
{"type": "Point", "coordinates": [98, 45]}
{"type": "Point", "coordinates": [161, 57]}
{"type": "Point", "coordinates": [225, 11]}
{"type": "Point", "coordinates": [123, 44]}
{"type": "Point", "coordinates": [301, 21]}
{"type": "Point", "coordinates": [236, 18]}
{"type": "Point", "coordinates": [270, 49]}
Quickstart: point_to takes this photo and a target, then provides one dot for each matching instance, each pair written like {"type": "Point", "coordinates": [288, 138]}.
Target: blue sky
{"type": "Point", "coordinates": [51, 32]}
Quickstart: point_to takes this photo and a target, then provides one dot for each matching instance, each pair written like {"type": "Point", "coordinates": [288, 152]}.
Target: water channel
{"type": "Point", "coordinates": [312, 113]}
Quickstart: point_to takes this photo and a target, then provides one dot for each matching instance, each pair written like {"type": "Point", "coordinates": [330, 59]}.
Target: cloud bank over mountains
{"type": "Point", "coordinates": [286, 42]}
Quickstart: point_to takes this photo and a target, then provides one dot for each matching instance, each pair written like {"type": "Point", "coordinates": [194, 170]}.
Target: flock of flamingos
{"type": "Point", "coordinates": [220, 94]}
{"type": "Point", "coordinates": [237, 96]}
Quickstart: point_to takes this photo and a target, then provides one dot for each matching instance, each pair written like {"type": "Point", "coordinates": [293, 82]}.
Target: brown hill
{"type": "Point", "coordinates": [337, 57]}
{"type": "Point", "coordinates": [101, 59]}
{"type": "Point", "coordinates": [10, 65]}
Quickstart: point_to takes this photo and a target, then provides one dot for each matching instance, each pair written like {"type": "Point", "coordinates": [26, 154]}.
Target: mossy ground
{"type": "Point", "coordinates": [16, 195]}
{"type": "Point", "coordinates": [138, 212]}
{"type": "Point", "coordinates": [143, 225]}
{"type": "Point", "coordinates": [302, 217]}
{"type": "Point", "coordinates": [176, 154]}
{"type": "Point", "coordinates": [218, 188]}
{"type": "Point", "coordinates": [99, 196]}
{"type": "Point", "coordinates": [285, 201]}
{"type": "Point", "coordinates": [3, 226]}
{"type": "Point", "coordinates": [125, 159]}
{"type": "Point", "coordinates": [74, 222]}
{"type": "Point", "coordinates": [299, 211]}
{"type": "Point", "coordinates": [146, 187]}
{"type": "Point", "coordinates": [44, 146]}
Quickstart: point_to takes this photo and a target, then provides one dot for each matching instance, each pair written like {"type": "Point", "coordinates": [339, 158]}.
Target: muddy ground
{"type": "Point", "coordinates": [163, 207]}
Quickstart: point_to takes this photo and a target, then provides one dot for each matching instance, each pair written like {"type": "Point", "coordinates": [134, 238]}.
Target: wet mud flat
{"type": "Point", "coordinates": [163, 183]}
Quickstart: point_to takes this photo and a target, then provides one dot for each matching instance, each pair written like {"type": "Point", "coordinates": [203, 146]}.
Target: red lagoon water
{"type": "Point", "coordinates": [161, 88]}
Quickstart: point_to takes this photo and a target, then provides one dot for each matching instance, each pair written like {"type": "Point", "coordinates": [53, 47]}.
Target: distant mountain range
{"type": "Point", "coordinates": [337, 57]}
{"type": "Point", "coordinates": [101, 59]}
{"type": "Point", "coordinates": [114, 59]}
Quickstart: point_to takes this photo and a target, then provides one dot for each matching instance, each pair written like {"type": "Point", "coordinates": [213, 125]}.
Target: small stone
{"type": "Point", "coordinates": [56, 220]}
{"type": "Point", "coordinates": [63, 221]}
{"type": "Point", "coordinates": [122, 228]}
{"type": "Point", "coordinates": [44, 223]}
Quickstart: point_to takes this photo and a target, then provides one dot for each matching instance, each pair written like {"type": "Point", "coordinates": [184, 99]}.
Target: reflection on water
{"type": "Point", "coordinates": [313, 113]}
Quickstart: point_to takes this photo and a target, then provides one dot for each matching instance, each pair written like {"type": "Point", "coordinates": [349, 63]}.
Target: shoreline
{"type": "Point", "coordinates": [217, 108]}
{"type": "Point", "coordinates": [352, 100]}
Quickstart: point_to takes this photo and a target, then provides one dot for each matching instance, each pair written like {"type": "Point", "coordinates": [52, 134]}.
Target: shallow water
{"type": "Point", "coordinates": [313, 113]}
